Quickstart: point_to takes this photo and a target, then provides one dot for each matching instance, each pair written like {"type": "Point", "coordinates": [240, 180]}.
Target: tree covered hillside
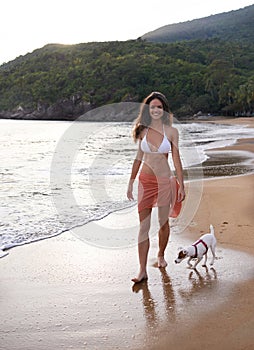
{"type": "Point", "coordinates": [230, 26]}
{"type": "Point", "coordinates": [209, 75]}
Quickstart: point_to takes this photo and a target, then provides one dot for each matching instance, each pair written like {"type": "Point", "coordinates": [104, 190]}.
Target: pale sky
{"type": "Point", "coordinates": [26, 25]}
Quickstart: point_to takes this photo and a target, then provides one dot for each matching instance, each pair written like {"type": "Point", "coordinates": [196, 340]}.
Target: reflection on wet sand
{"type": "Point", "coordinates": [148, 303]}
{"type": "Point", "coordinates": [175, 299]}
{"type": "Point", "coordinates": [199, 282]}
{"type": "Point", "coordinates": [151, 311]}
{"type": "Point", "coordinates": [169, 296]}
{"type": "Point", "coordinates": [156, 314]}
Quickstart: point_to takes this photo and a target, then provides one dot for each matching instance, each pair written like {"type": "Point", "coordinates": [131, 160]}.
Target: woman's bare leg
{"type": "Point", "coordinates": [164, 233]}
{"type": "Point", "coordinates": [143, 244]}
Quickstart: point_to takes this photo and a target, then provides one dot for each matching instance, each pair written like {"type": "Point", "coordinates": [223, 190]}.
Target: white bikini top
{"type": "Point", "coordinates": [165, 146]}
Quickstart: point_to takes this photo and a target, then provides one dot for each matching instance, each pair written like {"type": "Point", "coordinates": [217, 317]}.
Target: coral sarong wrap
{"type": "Point", "coordinates": [158, 191]}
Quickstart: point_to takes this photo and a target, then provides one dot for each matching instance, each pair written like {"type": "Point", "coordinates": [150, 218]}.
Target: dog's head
{"type": "Point", "coordinates": [181, 256]}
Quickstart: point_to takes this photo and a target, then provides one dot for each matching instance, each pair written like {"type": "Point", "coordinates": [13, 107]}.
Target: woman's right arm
{"type": "Point", "coordinates": [134, 171]}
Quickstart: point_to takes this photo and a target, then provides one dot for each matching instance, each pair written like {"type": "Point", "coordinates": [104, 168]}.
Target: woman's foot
{"type": "Point", "coordinates": [162, 262]}
{"type": "Point", "coordinates": [141, 277]}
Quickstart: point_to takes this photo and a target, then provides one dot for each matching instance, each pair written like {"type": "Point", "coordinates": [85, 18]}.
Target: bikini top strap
{"type": "Point", "coordinates": [164, 130]}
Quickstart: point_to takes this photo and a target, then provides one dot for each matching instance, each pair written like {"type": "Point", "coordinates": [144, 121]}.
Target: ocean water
{"type": "Point", "coordinates": [56, 176]}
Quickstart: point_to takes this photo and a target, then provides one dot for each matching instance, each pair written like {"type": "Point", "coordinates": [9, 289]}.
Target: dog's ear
{"type": "Point", "coordinates": [181, 249]}
{"type": "Point", "coordinates": [182, 254]}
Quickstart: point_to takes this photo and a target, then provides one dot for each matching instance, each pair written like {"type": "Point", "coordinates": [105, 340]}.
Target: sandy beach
{"type": "Point", "coordinates": [64, 293]}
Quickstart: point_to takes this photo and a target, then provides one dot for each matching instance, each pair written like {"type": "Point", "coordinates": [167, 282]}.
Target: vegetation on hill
{"type": "Point", "coordinates": [230, 26]}
{"type": "Point", "coordinates": [211, 75]}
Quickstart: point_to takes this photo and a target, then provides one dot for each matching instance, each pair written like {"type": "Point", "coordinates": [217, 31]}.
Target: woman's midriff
{"type": "Point", "coordinates": [156, 164]}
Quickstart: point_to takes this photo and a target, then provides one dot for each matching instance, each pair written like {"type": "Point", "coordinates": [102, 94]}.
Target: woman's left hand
{"type": "Point", "coordinates": [181, 194]}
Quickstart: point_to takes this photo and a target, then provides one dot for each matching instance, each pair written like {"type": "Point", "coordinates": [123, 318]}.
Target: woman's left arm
{"type": "Point", "coordinates": [177, 163]}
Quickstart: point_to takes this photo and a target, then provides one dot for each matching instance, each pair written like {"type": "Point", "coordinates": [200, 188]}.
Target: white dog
{"type": "Point", "coordinates": [199, 249]}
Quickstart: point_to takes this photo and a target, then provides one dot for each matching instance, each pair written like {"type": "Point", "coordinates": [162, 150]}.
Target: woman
{"type": "Point", "coordinates": [157, 185]}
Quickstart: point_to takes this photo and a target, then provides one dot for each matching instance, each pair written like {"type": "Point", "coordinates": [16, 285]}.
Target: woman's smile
{"type": "Point", "coordinates": [156, 108]}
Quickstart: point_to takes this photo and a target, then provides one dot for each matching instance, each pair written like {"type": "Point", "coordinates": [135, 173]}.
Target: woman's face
{"type": "Point", "coordinates": [156, 109]}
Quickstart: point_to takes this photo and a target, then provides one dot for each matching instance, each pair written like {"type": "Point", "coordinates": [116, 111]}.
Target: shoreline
{"type": "Point", "coordinates": [234, 182]}
{"type": "Point", "coordinates": [243, 168]}
{"type": "Point", "coordinates": [63, 293]}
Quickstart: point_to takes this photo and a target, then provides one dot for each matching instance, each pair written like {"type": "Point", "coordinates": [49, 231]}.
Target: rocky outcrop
{"type": "Point", "coordinates": [65, 109]}
{"type": "Point", "coordinates": [115, 112]}
{"type": "Point", "coordinates": [75, 108]}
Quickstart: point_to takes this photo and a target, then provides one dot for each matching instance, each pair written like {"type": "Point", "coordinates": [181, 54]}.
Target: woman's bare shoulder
{"type": "Point", "coordinates": [143, 133]}
{"type": "Point", "coordinates": [171, 131]}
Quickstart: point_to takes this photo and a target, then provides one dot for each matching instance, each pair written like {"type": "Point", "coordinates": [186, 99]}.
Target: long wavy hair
{"type": "Point", "coordinates": [144, 118]}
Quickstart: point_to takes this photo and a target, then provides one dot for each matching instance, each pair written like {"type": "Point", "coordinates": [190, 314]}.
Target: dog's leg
{"type": "Point", "coordinates": [204, 264]}
{"type": "Point", "coordinates": [189, 260]}
{"type": "Point", "coordinates": [213, 252]}
{"type": "Point", "coordinates": [197, 262]}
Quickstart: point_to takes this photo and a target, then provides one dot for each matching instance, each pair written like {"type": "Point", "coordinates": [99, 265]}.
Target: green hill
{"type": "Point", "coordinates": [230, 26]}
{"type": "Point", "coordinates": [65, 81]}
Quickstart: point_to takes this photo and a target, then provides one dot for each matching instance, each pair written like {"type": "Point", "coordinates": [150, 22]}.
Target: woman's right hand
{"type": "Point", "coordinates": [130, 191]}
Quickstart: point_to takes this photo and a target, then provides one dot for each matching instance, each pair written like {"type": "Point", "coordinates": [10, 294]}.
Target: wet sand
{"type": "Point", "coordinates": [63, 293]}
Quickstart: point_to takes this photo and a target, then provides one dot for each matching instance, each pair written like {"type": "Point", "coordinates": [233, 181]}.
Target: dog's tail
{"type": "Point", "coordinates": [211, 229]}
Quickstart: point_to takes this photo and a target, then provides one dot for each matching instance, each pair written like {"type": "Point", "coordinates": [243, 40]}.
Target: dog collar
{"type": "Point", "coordinates": [196, 249]}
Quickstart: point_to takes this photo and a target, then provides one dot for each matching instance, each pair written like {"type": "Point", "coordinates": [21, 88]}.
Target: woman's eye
{"type": "Point", "coordinates": [153, 107]}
